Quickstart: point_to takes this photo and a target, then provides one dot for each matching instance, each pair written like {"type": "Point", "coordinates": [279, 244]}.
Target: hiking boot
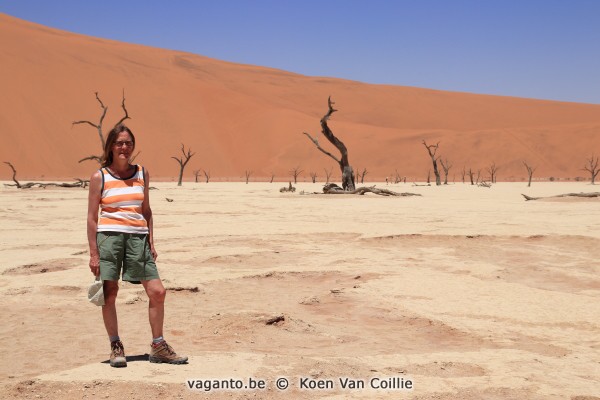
{"type": "Point", "coordinates": [163, 353]}
{"type": "Point", "coordinates": [117, 355]}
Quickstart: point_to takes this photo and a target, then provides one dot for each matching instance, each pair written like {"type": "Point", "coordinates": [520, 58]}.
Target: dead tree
{"type": "Point", "coordinates": [464, 173]}
{"type": "Point", "coordinates": [313, 176]}
{"type": "Point", "coordinates": [183, 161]}
{"type": "Point", "coordinates": [592, 168]}
{"type": "Point", "coordinates": [247, 173]}
{"type": "Point", "coordinates": [332, 188]}
{"type": "Point", "coordinates": [432, 149]}
{"type": "Point", "coordinates": [327, 174]}
{"type": "Point", "coordinates": [446, 167]}
{"type": "Point", "coordinates": [492, 171]}
{"type": "Point", "coordinates": [196, 174]}
{"type": "Point", "coordinates": [80, 182]}
{"type": "Point", "coordinates": [295, 172]}
{"type": "Point", "coordinates": [397, 177]}
{"type": "Point", "coordinates": [289, 188]}
{"type": "Point", "coordinates": [206, 175]}
{"type": "Point", "coordinates": [362, 175]}
{"type": "Point", "coordinates": [347, 173]}
{"type": "Point", "coordinates": [14, 177]}
{"type": "Point", "coordinates": [98, 126]}
{"type": "Point", "coordinates": [471, 176]}
{"type": "Point", "coordinates": [585, 195]}
{"type": "Point", "coordinates": [530, 171]}
{"type": "Point", "coordinates": [272, 177]}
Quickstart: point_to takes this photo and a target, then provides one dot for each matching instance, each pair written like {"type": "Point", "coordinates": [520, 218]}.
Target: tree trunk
{"type": "Point", "coordinates": [347, 172]}
{"type": "Point", "coordinates": [431, 152]}
{"type": "Point", "coordinates": [586, 195]}
{"type": "Point", "coordinates": [180, 177]}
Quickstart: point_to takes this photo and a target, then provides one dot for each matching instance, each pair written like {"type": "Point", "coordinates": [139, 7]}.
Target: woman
{"type": "Point", "coordinates": [121, 242]}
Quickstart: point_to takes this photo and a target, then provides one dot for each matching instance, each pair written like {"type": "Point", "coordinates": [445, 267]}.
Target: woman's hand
{"type": "Point", "coordinates": [95, 264]}
{"type": "Point", "coordinates": [154, 253]}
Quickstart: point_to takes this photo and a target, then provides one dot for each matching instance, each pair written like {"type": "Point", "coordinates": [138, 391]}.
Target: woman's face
{"type": "Point", "coordinates": [122, 147]}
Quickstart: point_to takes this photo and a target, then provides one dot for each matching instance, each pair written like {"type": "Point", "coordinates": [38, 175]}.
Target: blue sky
{"type": "Point", "coordinates": [545, 49]}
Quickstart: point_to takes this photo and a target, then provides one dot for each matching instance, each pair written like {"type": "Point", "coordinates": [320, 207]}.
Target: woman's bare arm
{"type": "Point", "coordinates": [147, 213]}
{"type": "Point", "coordinates": [92, 220]}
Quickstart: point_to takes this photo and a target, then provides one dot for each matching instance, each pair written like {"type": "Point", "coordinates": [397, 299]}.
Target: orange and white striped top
{"type": "Point", "coordinates": [121, 203]}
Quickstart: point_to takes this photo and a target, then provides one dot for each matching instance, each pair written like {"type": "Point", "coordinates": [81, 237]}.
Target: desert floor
{"type": "Point", "coordinates": [468, 292]}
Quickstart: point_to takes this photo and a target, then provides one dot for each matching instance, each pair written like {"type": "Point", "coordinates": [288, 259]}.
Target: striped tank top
{"type": "Point", "coordinates": [121, 203]}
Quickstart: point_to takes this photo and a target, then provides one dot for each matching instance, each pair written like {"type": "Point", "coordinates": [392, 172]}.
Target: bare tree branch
{"type": "Point", "coordinates": [14, 177]}
{"type": "Point", "coordinates": [98, 126]}
{"type": "Point", "coordinates": [91, 158]}
{"type": "Point", "coordinates": [132, 159]}
{"type": "Point", "coordinates": [85, 122]}
{"type": "Point", "coordinates": [316, 142]}
{"type": "Point", "coordinates": [124, 109]}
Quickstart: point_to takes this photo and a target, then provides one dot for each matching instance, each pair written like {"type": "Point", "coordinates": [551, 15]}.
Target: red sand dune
{"type": "Point", "coordinates": [241, 117]}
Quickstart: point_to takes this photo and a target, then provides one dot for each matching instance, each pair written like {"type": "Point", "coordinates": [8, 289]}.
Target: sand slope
{"type": "Point", "coordinates": [470, 292]}
{"type": "Point", "coordinates": [241, 117]}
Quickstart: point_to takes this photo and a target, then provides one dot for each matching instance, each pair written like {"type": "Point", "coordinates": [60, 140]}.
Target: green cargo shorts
{"type": "Point", "coordinates": [129, 252]}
